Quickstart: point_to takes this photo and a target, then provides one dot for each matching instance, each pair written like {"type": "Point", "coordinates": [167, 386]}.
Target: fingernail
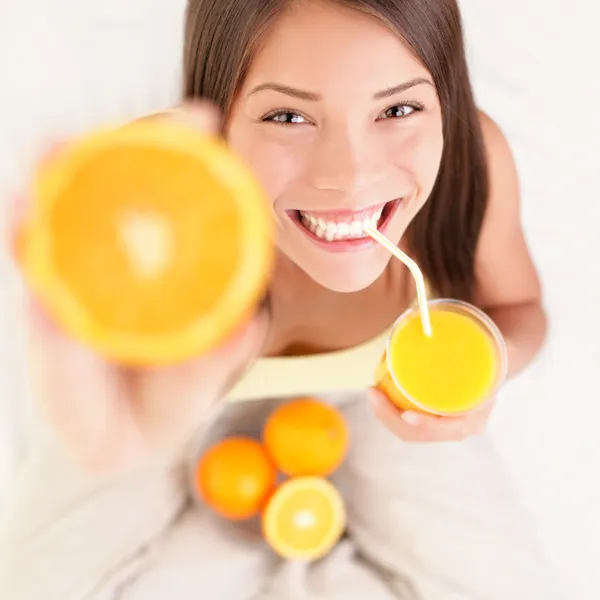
{"type": "Point", "coordinates": [410, 418]}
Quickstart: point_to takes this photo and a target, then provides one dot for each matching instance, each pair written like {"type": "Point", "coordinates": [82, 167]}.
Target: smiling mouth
{"type": "Point", "coordinates": [344, 228]}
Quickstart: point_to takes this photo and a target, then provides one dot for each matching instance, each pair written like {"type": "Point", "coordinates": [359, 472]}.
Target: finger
{"type": "Point", "coordinates": [418, 427]}
{"type": "Point", "coordinates": [200, 114]}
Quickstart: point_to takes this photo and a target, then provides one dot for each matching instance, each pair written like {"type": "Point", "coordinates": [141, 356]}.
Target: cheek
{"type": "Point", "coordinates": [420, 153]}
{"type": "Point", "coordinates": [276, 163]}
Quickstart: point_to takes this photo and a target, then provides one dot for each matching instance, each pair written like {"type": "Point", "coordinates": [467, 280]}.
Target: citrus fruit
{"type": "Point", "coordinates": [304, 518]}
{"type": "Point", "coordinates": [235, 477]}
{"type": "Point", "coordinates": [151, 243]}
{"type": "Point", "coordinates": [306, 437]}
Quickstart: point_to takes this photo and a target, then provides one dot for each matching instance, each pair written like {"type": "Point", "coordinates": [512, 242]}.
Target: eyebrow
{"type": "Point", "coordinates": [287, 90]}
{"type": "Point", "coordinates": [398, 89]}
{"type": "Point", "coordinates": [312, 96]}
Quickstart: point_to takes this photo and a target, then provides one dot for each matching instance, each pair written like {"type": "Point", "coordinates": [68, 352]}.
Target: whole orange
{"type": "Point", "coordinates": [306, 437]}
{"type": "Point", "coordinates": [235, 477]}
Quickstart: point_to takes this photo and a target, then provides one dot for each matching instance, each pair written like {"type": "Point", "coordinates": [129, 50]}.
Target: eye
{"type": "Point", "coordinates": [400, 111]}
{"type": "Point", "coordinates": [285, 117]}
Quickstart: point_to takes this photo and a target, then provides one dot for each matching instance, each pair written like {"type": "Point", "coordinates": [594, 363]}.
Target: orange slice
{"type": "Point", "coordinates": [304, 518]}
{"type": "Point", "coordinates": [151, 242]}
{"type": "Point", "coordinates": [235, 478]}
{"type": "Point", "coordinates": [305, 437]}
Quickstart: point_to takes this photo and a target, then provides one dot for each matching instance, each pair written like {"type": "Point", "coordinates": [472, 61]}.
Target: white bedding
{"type": "Point", "coordinates": [67, 65]}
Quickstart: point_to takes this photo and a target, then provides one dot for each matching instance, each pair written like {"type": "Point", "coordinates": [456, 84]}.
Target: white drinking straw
{"type": "Point", "coordinates": [415, 272]}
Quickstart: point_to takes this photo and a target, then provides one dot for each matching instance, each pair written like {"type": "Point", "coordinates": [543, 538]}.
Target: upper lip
{"type": "Point", "coordinates": [345, 212]}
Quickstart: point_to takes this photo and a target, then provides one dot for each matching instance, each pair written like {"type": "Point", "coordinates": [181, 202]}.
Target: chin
{"type": "Point", "coordinates": [346, 278]}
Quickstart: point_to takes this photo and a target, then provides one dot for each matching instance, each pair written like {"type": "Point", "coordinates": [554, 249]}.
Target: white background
{"type": "Point", "coordinates": [67, 65]}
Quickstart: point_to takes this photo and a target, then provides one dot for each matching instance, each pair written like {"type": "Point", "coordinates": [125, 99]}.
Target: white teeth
{"type": "Point", "coordinates": [356, 229]}
{"type": "Point", "coordinates": [331, 230]}
{"type": "Point", "coordinates": [343, 229]}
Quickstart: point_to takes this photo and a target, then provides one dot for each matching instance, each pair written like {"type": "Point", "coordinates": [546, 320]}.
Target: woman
{"type": "Point", "coordinates": [347, 111]}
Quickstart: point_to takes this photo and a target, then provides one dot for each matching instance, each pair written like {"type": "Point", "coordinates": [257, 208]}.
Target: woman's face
{"type": "Point", "coordinates": [342, 126]}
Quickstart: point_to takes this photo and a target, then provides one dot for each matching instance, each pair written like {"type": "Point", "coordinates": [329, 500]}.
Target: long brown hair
{"type": "Point", "coordinates": [222, 36]}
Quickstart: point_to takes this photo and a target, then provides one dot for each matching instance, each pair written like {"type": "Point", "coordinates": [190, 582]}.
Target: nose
{"type": "Point", "coordinates": [346, 161]}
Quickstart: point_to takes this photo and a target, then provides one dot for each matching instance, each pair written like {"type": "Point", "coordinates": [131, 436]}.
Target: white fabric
{"type": "Point", "coordinates": [66, 65]}
{"type": "Point", "coordinates": [425, 522]}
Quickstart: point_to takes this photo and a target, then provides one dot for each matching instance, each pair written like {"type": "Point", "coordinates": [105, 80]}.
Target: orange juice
{"type": "Point", "coordinates": [453, 372]}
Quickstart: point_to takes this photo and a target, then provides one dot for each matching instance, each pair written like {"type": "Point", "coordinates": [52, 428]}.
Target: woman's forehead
{"type": "Point", "coordinates": [323, 46]}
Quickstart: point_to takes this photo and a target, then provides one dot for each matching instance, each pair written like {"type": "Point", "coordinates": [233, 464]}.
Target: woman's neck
{"type": "Point", "coordinates": [308, 318]}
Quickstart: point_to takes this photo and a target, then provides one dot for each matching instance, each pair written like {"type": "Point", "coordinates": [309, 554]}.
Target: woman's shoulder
{"type": "Point", "coordinates": [494, 140]}
{"type": "Point", "coordinates": [502, 171]}
{"type": "Point", "coordinates": [505, 270]}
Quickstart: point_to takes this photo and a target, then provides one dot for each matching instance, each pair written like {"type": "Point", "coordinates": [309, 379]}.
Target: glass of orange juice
{"type": "Point", "coordinates": [457, 370]}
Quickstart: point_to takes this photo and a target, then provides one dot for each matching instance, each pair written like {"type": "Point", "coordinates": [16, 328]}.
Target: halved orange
{"type": "Point", "coordinates": [151, 242]}
{"type": "Point", "coordinates": [304, 518]}
{"type": "Point", "coordinates": [235, 477]}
